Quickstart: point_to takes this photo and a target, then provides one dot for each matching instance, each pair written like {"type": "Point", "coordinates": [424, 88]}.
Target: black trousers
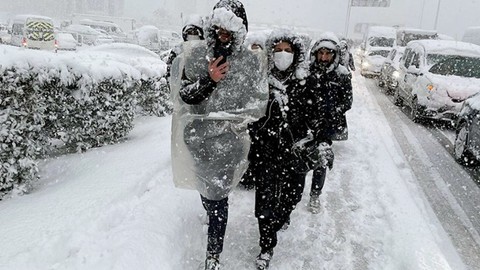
{"type": "Point", "coordinates": [217, 212]}
{"type": "Point", "coordinates": [277, 192]}
{"type": "Point", "coordinates": [318, 180]}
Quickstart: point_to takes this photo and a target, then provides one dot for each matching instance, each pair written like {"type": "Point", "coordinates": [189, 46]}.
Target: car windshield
{"type": "Point", "coordinates": [383, 53]}
{"type": "Point", "coordinates": [455, 65]}
{"type": "Point", "coordinates": [381, 42]}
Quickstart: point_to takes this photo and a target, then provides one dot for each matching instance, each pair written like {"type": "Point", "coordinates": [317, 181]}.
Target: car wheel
{"type": "Point", "coordinates": [416, 110]}
{"type": "Point", "coordinates": [462, 155]}
{"type": "Point", "coordinates": [396, 98]}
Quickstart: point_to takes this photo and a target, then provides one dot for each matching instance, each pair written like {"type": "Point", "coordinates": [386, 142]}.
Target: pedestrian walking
{"type": "Point", "coordinates": [218, 87]}
{"type": "Point", "coordinates": [331, 83]}
{"type": "Point", "coordinates": [284, 141]}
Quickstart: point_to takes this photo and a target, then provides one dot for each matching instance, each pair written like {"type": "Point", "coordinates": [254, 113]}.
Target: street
{"type": "Point", "coordinates": [452, 190]}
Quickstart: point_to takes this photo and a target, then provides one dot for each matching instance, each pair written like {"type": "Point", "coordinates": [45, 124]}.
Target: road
{"type": "Point", "coordinates": [452, 190]}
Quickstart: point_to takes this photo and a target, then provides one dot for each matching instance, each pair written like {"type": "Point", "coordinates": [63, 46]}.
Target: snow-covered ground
{"type": "Point", "coordinates": [115, 207]}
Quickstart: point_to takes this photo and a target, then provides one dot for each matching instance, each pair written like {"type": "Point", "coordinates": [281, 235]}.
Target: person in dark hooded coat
{"type": "Point", "coordinates": [346, 57]}
{"type": "Point", "coordinates": [218, 87]}
{"type": "Point", "coordinates": [331, 84]}
{"type": "Point", "coordinates": [284, 141]}
{"type": "Point", "coordinates": [192, 30]}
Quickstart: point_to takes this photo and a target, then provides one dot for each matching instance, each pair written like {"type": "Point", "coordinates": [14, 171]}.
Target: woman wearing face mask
{"type": "Point", "coordinates": [281, 139]}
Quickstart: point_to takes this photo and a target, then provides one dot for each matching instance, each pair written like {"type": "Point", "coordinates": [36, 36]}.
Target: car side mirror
{"type": "Point", "coordinates": [414, 70]}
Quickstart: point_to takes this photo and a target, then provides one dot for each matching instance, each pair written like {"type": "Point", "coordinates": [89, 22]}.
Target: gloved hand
{"type": "Point", "coordinates": [314, 156]}
{"type": "Point", "coordinates": [326, 155]}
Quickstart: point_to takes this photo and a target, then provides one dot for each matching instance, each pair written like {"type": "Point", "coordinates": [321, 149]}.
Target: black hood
{"type": "Point", "coordinates": [236, 7]}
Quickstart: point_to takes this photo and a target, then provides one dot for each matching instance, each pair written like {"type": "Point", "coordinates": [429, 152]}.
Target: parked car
{"type": "Point", "coordinates": [108, 28]}
{"type": "Point", "coordinates": [148, 37]}
{"type": "Point", "coordinates": [436, 76]}
{"type": "Point", "coordinates": [5, 36]}
{"type": "Point", "coordinates": [65, 41]}
{"type": "Point", "coordinates": [87, 35]}
{"type": "Point", "coordinates": [389, 74]}
{"type": "Point", "coordinates": [467, 140]}
{"type": "Point", "coordinates": [372, 60]}
{"type": "Point", "coordinates": [169, 39]}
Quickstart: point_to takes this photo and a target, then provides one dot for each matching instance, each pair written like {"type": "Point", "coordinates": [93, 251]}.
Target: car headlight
{"type": "Point", "coordinates": [396, 74]}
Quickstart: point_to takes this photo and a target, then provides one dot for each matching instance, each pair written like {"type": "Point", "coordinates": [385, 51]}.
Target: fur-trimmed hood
{"type": "Point", "coordinates": [229, 15]}
{"type": "Point", "coordinates": [194, 21]}
{"type": "Point", "coordinates": [330, 41]}
{"type": "Point", "coordinates": [300, 62]}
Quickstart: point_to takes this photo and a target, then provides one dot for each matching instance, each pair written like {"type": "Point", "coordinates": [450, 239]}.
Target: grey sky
{"type": "Point", "coordinates": [453, 18]}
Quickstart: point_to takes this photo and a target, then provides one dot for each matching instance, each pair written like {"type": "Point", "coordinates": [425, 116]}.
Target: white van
{"type": "Point", "coordinates": [405, 35]}
{"type": "Point", "coordinates": [379, 36]}
{"type": "Point", "coordinates": [376, 45]}
{"type": "Point", "coordinates": [33, 32]}
{"type": "Point", "coordinates": [472, 35]}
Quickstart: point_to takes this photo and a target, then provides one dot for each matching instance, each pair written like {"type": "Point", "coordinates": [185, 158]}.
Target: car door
{"type": "Point", "coordinates": [474, 136]}
{"type": "Point", "coordinates": [411, 75]}
{"type": "Point", "coordinates": [404, 64]}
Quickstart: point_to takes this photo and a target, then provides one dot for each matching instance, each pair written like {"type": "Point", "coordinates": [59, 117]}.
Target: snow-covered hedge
{"type": "Point", "coordinates": [85, 99]}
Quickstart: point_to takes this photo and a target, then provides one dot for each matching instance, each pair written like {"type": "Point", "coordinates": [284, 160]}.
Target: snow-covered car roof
{"type": "Point", "coordinates": [448, 47]}
{"type": "Point", "coordinates": [382, 30]}
{"type": "Point", "coordinates": [23, 17]}
{"type": "Point", "coordinates": [416, 31]}
{"type": "Point", "coordinates": [82, 29]}
{"type": "Point", "coordinates": [125, 49]}
{"type": "Point", "coordinates": [144, 60]}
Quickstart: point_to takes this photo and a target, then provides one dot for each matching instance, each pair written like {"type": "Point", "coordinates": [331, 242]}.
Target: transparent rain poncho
{"type": "Point", "coordinates": [210, 142]}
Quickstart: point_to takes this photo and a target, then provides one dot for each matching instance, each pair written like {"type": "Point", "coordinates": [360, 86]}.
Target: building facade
{"type": "Point", "coordinates": [62, 9]}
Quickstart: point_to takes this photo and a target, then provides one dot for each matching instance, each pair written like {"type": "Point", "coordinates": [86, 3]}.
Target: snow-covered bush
{"type": "Point", "coordinates": [154, 97]}
{"type": "Point", "coordinates": [21, 137]}
{"type": "Point", "coordinates": [101, 116]}
{"type": "Point", "coordinates": [85, 100]}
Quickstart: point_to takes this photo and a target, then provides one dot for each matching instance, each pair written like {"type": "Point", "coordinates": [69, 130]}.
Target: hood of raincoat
{"type": "Point", "coordinates": [229, 15]}
{"type": "Point", "coordinates": [299, 66]}
{"type": "Point", "coordinates": [330, 41]}
{"type": "Point", "coordinates": [194, 21]}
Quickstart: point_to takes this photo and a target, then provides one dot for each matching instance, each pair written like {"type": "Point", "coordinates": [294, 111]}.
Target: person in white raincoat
{"type": "Point", "coordinates": [218, 87]}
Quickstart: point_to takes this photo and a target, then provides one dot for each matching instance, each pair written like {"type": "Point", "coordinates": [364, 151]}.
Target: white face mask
{"type": "Point", "coordinates": [193, 37]}
{"type": "Point", "coordinates": [283, 60]}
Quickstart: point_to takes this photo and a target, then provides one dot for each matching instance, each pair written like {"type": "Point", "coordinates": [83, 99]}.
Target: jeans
{"type": "Point", "coordinates": [217, 212]}
{"type": "Point", "coordinates": [318, 180]}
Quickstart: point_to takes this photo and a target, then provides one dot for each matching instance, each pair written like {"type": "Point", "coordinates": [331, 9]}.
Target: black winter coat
{"type": "Point", "coordinates": [290, 116]}
{"type": "Point", "coordinates": [333, 93]}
